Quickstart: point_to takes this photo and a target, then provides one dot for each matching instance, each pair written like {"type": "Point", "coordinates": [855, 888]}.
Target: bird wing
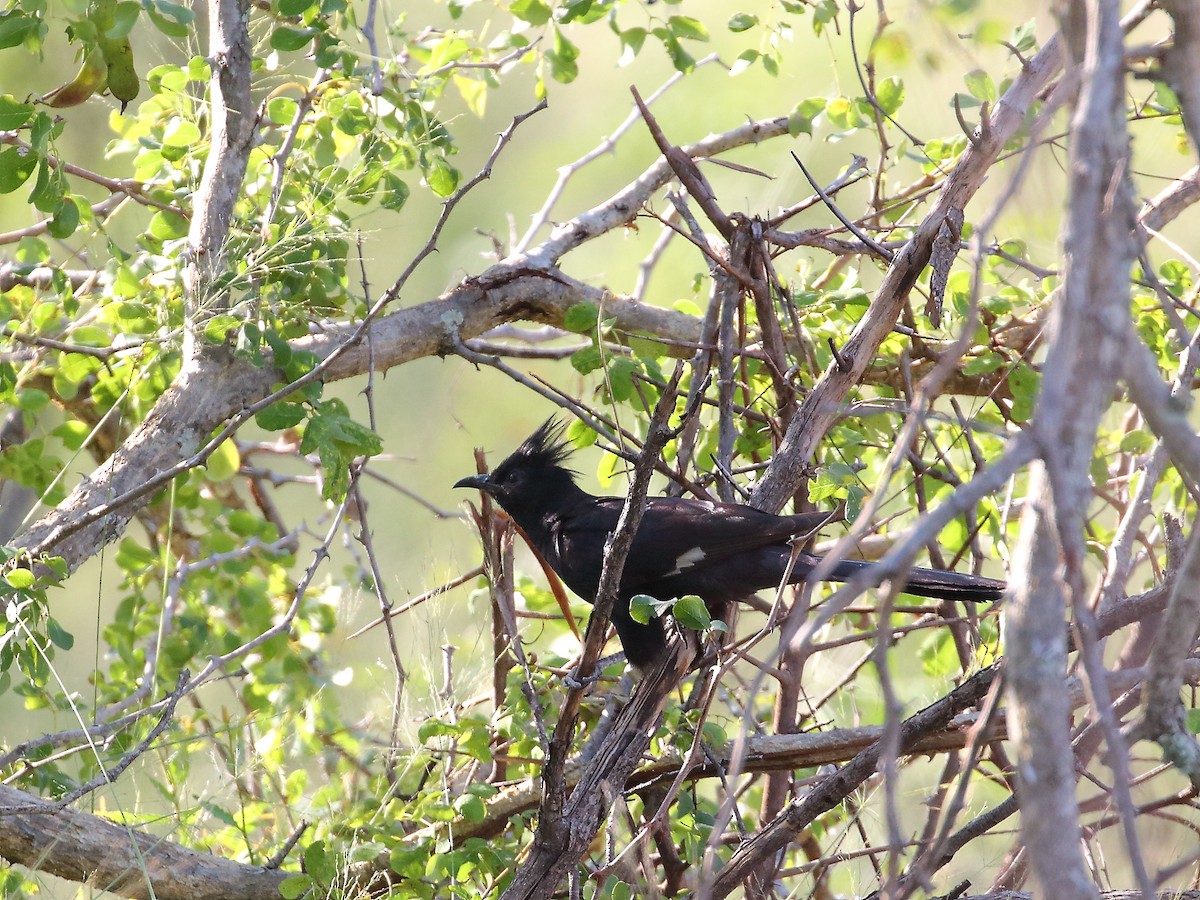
{"type": "Point", "coordinates": [678, 535]}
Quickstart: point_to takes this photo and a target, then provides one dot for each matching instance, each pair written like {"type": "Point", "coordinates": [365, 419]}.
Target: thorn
{"type": "Point", "coordinates": [970, 132]}
{"type": "Point", "coordinates": [843, 364]}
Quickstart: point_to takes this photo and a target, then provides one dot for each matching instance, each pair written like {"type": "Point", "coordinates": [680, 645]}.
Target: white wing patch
{"type": "Point", "coordinates": [686, 560]}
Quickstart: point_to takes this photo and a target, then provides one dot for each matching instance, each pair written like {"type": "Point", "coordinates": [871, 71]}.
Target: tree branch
{"type": "Point", "coordinates": [123, 860]}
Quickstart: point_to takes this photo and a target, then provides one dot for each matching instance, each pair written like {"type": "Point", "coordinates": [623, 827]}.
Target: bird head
{"type": "Point", "coordinates": [533, 480]}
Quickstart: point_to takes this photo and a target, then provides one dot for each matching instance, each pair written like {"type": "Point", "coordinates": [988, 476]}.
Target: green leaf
{"type": "Point", "coordinates": [280, 415]}
{"type": "Point", "coordinates": [563, 68]}
{"type": "Point", "coordinates": [682, 60]}
{"type": "Point", "coordinates": [294, 7]}
{"type": "Point", "coordinates": [474, 92]}
{"type": "Point", "coordinates": [841, 114]}
{"type": "Point", "coordinates": [980, 85]}
{"type": "Point", "coordinates": [216, 329]}
{"type": "Point", "coordinates": [586, 360]}
{"type": "Point", "coordinates": [1136, 441]}
{"type": "Point", "coordinates": [124, 18]}
{"type": "Point", "coordinates": [1024, 37]}
{"type": "Point", "coordinates": [16, 165]}
{"type": "Point", "coordinates": [442, 177]}
{"type": "Point", "coordinates": [198, 69]}
{"type": "Point", "coordinates": [168, 226]}
{"type": "Point", "coordinates": [287, 40]}
{"type": "Point", "coordinates": [331, 425]}
{"type": "Point", "coordinates": [42, 130]}
{"type": "Point", "coordinates": [824, 12]}
{"type": "Point", "coordinates": [688, 28]}
{"type": "Point", "coordinates": [470, 808]}
{"type": "Point", "coordinates": [58, 635]}
{"type": "Point", "coordinates": [21, 579]}
{"type": "Point", "coordinates": [744, 61]}
{"type": "Point", "coordinates": [282, 110]}
{"type": "Point", "coordinates": [295, 886]}
{"type": "Point", "coordinates": [1023, 382]}
{"type": "Point", "coordinates": [581, 318]}
{"type": "Point", "coordinates": [575, 10]}
{"type": "Point", "coordinates": [642, 608]}
{"type": "Point", "coordinates": [890, 95]}
{"type": "Point", "coordinates": [181, 133]}
{"type": "Point", "coordinates": [180, 14]}
{"type": "Point", "coordinates": [66, 219]}
{"type": "Point", "coordinates": [800, 121]}
{"type": "Point", "coordinates": [33, 399]}
{"type": "Point", "coordinates": [432, 728]}
{"type": "Point", "coordinates": [319, 862]}
{"type": "Point", "coordinates": [690, 612]}
{"type": "Point", "coordinates": [354, 121]}
{"type": "Point", "coordinates": [15, 26]}
{"type": "Point", "coordinates": [580, 434]}
{"type": "Point", "coordinates": [739, 22]}
{"type": "Point", "coordinates": [47, 191]}
{"type": "Point", "coordinates": [167, 20]}
{"type": "Point", "coordinates": [337, 440]}
{"type": "Point", "coordinates": [620, 378]}
{"type": "Point", "coordinates": [476, 740]}
{"type": "Point", "coordinates": [281, 352]}
{"type": "Point", "coordinates": [714, 735]}
{"type": "Point", "coordinates": [57, 565]}
{"type": "Point", "coordinates": [72, 434]}
{"type": "Point", "coordinates": [395, 192]}
{"type": "Point", "coordinates": [13, 114]}
{"type": "Point", "coordinates": [224, 462]}
{"type": "Point", "coordinates": [632, 40]}
{"type": "Point", "coordinates": [535, 12]}
{"type": "Point", "coordinates": [367, 852]}
{"type": "Point", "coordinates": [987, 361]}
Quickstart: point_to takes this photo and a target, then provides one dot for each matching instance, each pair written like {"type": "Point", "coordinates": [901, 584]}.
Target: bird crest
{"type": "Point", "coordinates": [544, 449]}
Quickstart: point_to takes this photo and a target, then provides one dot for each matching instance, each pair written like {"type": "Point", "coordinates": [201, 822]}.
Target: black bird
{"type": "Point", "coordinates": [720, 552]}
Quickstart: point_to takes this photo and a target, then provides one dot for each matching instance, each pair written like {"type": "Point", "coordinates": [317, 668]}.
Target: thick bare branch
{"type": "Point", "coordinates": [1087, 336]}
{"type": "Point", "coordinates": [210, 391]}
{"type": "Point", "coordinates": [233, 117]}
{"type": "Point", "coordinates": [123, 860]}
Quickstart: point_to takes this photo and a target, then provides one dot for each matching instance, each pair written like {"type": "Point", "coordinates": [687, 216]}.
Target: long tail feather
{"type": "Point", "coordinates": [938, 584]}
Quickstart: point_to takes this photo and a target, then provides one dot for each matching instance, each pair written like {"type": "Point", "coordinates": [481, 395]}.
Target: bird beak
{"type": "Point", "coordinates": [480, 482]}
